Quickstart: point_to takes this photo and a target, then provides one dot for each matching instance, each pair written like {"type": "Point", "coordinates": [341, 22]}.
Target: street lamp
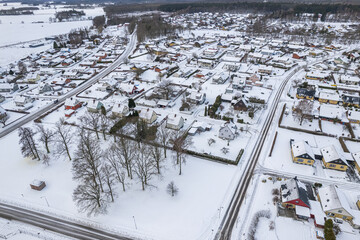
{"type": "Point", "coordinates": [46, 200]}
{"type": "Point", "coordinates": [135, 222]}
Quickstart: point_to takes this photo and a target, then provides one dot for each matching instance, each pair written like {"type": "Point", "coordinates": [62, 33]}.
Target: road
{"type": "Point", "coordinates": [130, 47]}
{"type": "Point", "coordinates": [56, 224]}
{"type": "Point", "coordinates": [230, 217]}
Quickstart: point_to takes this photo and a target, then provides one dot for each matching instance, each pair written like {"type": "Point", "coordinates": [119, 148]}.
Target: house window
{"type": "Point", "coordinates": [309, 161]}
{"type": "Point", "coordinates": [342, 167]}
{"type": "Point", "coordinates": [300, 160]}
{"type": "Point", "coordinates": [340, 211]}
{"type": "Point", "coordinates": [332, 165]}
{"type": "Point", "coordinates": [344, 217]}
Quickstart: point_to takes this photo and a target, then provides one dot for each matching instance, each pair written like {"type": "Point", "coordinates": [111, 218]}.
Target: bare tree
{"type": "Point", "coordinates": [22, 67]}
{"type": "Point", "coordinates": [144, 166]}
{"type": "Point", "coordinates": [172, 189]}
{"type": "Point", "coordinates": [115, 162]}
{"type": "Point", "coordinates": [110, 179]}
{"type": "Point", "coordinates": [163, 137]}
{"type": "Point", "coordinates": [166, 88]}
{"type": "Point", "coordinates": [29, 147]}
{"type": "Point", "coordinates": [157, 156]}
{"type": "Point", "coordinates": [88, 158]}
{"type": "Point", "coordinates": [126, 152]}
{"type": "Point", "coordinates": [303, 110]}
{"type": "Point", "coordinates": [46, 136]}
{"type": "Point", "coordinates": [89, 198]}
{"type": "Point", "coordinates": [104, 124]}
{"type": "Point", "coordinates": [180, 144]}
{"type": "Point", "coordinates": [91, 120]}
{"type": "Point", "coordinates": [64, 137]}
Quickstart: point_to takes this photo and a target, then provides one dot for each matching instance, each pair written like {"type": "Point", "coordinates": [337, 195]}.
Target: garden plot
{"type": "Point", "coordinates": [336, 129]}
{"type": "Point", "coordinates": [220, 148]}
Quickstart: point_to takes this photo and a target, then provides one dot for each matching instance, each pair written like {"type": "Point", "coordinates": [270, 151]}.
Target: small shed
{"type": "Point", "coordinates": [302, 212]}
{"type": "Point", "coordinates": [37, 185]}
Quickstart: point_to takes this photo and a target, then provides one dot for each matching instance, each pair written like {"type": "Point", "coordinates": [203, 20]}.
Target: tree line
{"type": "Point", "coordinates": [101, 165]}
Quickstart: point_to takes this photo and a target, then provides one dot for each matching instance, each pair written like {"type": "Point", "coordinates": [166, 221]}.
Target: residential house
{"type": "Point", "coordinates": [130, 89]}
{"type": "Point", "coordinates": [330, 97]}
{"type": "Point", "coordinates": [174, 122]}
{"type": "Point", "coordinates": [8, 87]}
{"type": "Point", "coordinates": [23, 101]}
{"type": "Point", "coordinates": [263, 69]}
{"type": "Point", "coordinates": [334, 202]}
{"type": "Point", "coordinates": [220, 78]}
{"type": "Point", "coordinates": [148, 115]}
{"type": "Point", "coordinates": [195, 97]}
{"type": "Point", "coordinates": [241, 104]}
{"type": "Point", "coordinates": [302, 153]}
{"type": "Point", "coordinates": [32, 77]}
{"type": "Point", "coordinates": [315, 75]}
{"type": "Point", "coordinates": [228, 131]}
{"type": "Point", "coordinates": [94, 106]}
{"type": "Point", "coordinates": [350, 100]}
{"type": "Point", "coordinates": [332, 160]}
{"type": "Point", "coordinates": [303, 93]}
{"type": "Point", "coordinates": [204, 63]}
{"type": "Point", "coordinates": [120, 110]}
{"type": "Point", "coordinates": [45, 87]}
{"type": "Point", "coordinates": [332, 113]}
{"type": "Point", "coordinates": [72, 104]}
{"type": "Point", "coordinates": [294, 193]}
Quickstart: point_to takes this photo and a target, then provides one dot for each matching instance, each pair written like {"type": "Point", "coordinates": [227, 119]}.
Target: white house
{"type": "Point", "coordinates": [22, 101]}
{"type": "Point", "coordinates": [148, 115]}
{"type": "Point", "coordinates": [120, 110]}
{"type": "Point", "coordinates": [228, 131]}
{"type": "Point", "coordinates": [220, 78]}
{"type": "Point", "coordinates": [174, 121]}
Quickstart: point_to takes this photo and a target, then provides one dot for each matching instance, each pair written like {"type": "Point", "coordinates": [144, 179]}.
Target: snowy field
{"type": "Point", "coordinates": [202, 188]}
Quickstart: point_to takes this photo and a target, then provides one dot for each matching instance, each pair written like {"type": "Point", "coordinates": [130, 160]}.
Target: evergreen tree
{"type": "Point", "coordinates": [131, 103]}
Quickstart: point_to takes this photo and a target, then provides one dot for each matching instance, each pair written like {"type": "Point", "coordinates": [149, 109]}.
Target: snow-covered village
{"type": "Point", "coordinates": [180, 121]}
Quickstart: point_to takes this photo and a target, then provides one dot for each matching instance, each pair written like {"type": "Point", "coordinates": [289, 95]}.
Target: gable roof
{"type": "Point", "coordinates": [294, 189]}
{"type": "Point", "coordinates": [332, 198]}
{"type": "Point", "coordinates": [301, 148]}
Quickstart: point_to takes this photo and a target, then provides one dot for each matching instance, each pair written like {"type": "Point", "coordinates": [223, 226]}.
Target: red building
{"type": "Point", "coordinates": [72, 103]}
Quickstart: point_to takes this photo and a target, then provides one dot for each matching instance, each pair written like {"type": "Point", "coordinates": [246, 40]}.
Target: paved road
{"type": "Point", "coordinates": [227, 224]}
{"type": "Point", "coordinates": [56, 224]}
{"type": "Point", "coordinates": [130, 47]}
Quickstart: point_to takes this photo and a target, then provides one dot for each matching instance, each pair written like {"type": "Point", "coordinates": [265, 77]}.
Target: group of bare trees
{"type": "Point", "coordinates": [61, 136]}
{"type": "Point", "coordinates": [100, 171]}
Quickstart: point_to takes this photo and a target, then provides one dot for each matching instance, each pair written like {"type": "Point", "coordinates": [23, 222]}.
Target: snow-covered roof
{"type": "Point", "coordinates": [174, 119]}
{"type": "Point", "coordinates": [146, 113]}
{"type": "Point", "coordinates": [302, 211]}
{"type": "Point", "coordinates": [329, 96]}
{"type": "Point", "coordinates": [333, 198]}
{"type": "Point", "coordinates": [71, 102]}
{"type": "Point", "coordinates": [332, 111]}
{"type": "Point", "coordinates": [317, 211]}
{"type": "Point", "coordinates": [329, 153]}
{"type": "Point", "coordinates": [293, 189]}
{"type": "Point", "coordinates": [300, 148]}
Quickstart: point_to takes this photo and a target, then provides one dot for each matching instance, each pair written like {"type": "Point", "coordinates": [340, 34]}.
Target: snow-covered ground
{"type": "Point", "coordinates": [202, 188]}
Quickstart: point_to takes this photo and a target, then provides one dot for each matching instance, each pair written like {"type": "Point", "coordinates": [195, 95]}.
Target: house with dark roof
{"type": "Point", "coordinates": [303, 93]}
{"type": "Point", "coordinates": [332, 160]}
{"type": "Point", "coordinates": [294, 193]}
{"type": "Point", "coordinates": [302, 153]}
